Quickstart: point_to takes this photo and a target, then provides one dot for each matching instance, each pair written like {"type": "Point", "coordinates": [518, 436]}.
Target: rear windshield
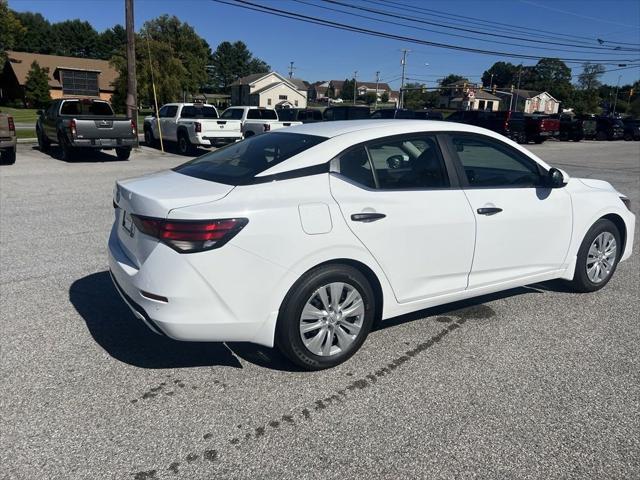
{"type": "Point", "coordinates": [262, 114]}
{"type": "Point", "coordinates": [90, 107]}
{"type": "Point", "coordinates": [232, 114]}
{"type": "Point", "coordinates": [198, 111]}
{"type": "Point", "coordinates": [239, 163]}
{"type": "Point", "coordinates": [287, 114]}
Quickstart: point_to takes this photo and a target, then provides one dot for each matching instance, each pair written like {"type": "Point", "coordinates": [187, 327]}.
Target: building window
{"type": "Point", "coordinates": [79, 82]}
{"type": "Point", "coordinates": [481, 105]}
{"type": "Point", "coordinates": [490, 106]}
{"type": "Point", "coordinates": [296, 102]}
{"type": "Point", "coordinates": [282, 97]}
{"type": "Point", "coordinates": [268, 101]}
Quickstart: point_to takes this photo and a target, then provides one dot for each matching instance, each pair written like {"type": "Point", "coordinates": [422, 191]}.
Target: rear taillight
{"type": "Point", "coordinates": [506, 122]}
{"type": "Point", "coordinates": [12, 126]}
{"type": "Point", "coordinates": [198, 127]}
{"type": "Point", "coordinates": [188, 236]}
{"type": "Point", "coordinates": [267, 127]}
{"type": "Point", "coordinates": [133, 127]}
{"type": "Point", "coordinates": [72, 127]}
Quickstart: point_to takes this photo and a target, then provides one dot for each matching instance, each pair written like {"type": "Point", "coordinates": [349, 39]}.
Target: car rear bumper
{"type": "Point", "coordinates": [104, 143]}
{"type": "Point", "coordinates": [175, 298]}
{"type": "Point", "coordinates": [217, 137]}
{"type": "Point", "coordinates": [8, 142]}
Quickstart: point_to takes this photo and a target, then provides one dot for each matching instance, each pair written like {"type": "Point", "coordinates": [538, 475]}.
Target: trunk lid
{"type": "Point", "coordinates": [155, 196]}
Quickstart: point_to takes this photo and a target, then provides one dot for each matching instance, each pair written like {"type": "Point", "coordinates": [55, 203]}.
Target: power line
{"type": "Point", "coordinates": [449, 33]}
{"type": "Point", "coordinates": [492, 24]}
{"type": "Point", "coordinates": [341, 26]}
{"type": "Point", "coordinates": [468, 30]}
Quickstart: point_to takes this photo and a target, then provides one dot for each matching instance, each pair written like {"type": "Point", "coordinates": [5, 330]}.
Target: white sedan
{"type": "Point", "coordinates": [303, 238]}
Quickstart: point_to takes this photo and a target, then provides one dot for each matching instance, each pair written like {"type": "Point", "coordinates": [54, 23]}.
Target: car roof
{"type": "Point", "coordinates": [343, 134]}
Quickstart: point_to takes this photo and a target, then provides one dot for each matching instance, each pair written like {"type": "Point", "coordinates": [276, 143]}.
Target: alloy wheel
{"type": "Point", "coordinates": [601, 257]}
{"type": "Point", "coordinates": [332, 319]}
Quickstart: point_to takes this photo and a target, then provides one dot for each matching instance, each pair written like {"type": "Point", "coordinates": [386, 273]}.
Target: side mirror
{"type": "Point", "coordinates": [556, 178]}
{"type": "Point", "coordinates": [39, 112]}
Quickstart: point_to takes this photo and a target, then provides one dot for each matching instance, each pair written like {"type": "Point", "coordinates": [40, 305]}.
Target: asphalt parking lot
{"type": "Point", "coordinates": [531, 383]}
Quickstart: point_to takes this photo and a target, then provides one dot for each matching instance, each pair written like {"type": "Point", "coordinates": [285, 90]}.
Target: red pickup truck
{"type": "Point", "coordinates": [539, 128]}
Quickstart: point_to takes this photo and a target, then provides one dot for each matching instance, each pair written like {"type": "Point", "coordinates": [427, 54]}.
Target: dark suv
{"type": "Point", "coordinates": [608, 128]}
{"type": "Point", "coordinates": [304, 115]}
{"type": "Point", "coordinates": [631, 129]}
{"type": "Point", "coordinates": [510, 124]}
{"type": "Point", "coordinates": [346, 112]}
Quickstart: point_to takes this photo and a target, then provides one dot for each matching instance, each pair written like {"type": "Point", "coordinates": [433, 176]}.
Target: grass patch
{"type": "Point", "coordinates": [21, 115]}
{"type": "Point", "coordinates": [26, 133]}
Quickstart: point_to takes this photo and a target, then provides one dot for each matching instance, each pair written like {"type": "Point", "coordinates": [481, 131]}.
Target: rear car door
{"type": "Point", "coordinates": [168, 122]}
{"type": "Point", "coordinates": [402, 202]}
{"type": "Point", "coordinates": [523, 227]}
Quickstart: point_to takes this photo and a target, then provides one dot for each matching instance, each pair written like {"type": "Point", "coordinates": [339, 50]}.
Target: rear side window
{"type": "Point", "coordinates": [489, 163]}
{"type": "Point", "coordinates": [232, 114]}
{"type": "Point", "coordinates": [198, 112]}
{"type": "Point", "coordinates": [239, 163]}
{"type": "Point", "coordinates": [168, 111]}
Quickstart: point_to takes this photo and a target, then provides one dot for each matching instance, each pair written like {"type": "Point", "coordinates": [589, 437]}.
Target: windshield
{"type": "Point", "coordinates": [198, 111]}
{"type": "Point", "coordinates": [238, 163]}
{"type": "Point", "coordinates": [86, 107]}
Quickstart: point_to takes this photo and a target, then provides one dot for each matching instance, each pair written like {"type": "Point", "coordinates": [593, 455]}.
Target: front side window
{"type": "Point", "coordinates": [239, 163]}
{"type": "Point", "coordinates": [168, 111]}
{"type": "Point", "coordinates": [408, 162]}
{"type": "Point", "coordinates": [490, 163]}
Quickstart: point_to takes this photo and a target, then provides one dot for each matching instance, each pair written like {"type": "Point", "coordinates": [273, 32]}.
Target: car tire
{"type": "Point", "coordinates": [185, 147]}
{"type": "Point", "coordinates": [594, 246]}
{"type": "Point", "coordinates": [539, 140]}
{"type": "Point", "coordinates": [43, 142]}
{"type": "Point", "coordinates": [67, 151]}
{"type": "Point", "coordinates": [149, 139]}
{"type": "Point", "coordinates": [628, 137]}
{"type": "Point", "coordinates": [123, 153]}
{"type": "Point", "coordinates": [8, 157]}
{"type": "Point", "coordinates": [346, 334]}
{"type": "Point", "coordinates": [249, 134]}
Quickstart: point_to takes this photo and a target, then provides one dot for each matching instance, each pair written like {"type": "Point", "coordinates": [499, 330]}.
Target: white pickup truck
{"type": "Point", "coordinates": [190, 125]}
{"type": "Point", "coordinates": [256, 120]}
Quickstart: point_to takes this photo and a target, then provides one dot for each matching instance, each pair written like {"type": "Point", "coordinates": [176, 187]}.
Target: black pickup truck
{"type": "Point", "coordinates": [75, 123]}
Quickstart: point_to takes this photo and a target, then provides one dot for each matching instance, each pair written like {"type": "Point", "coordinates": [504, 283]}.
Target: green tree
{"type": "Point", "coordinates": [551, 75]}
{"type": "Point", "coordinates": [231, 61]}
{"type": "Point", "coordinates": [10, 30]}
{"type": "Point", "coordinates": [416, 97]}
{"type": "Point", "coordinates": [346, 93]}
{"type": "Point", "coordinates": [589, 79]}
{"type": "Point", "coordinates": [450, 79]}
{"type": "Point", "coordinates": [384, 98]}
{"type": "Point", "coordinates": [75, 38]}
{"type": "Point", "coordinates": [112, 42]}
{"type": "Point", "coordinates": [503, 74]}
{"type": "Point", "coordinates": [36, 87]}
{"type": "Point", "coordinates": [370, 98]}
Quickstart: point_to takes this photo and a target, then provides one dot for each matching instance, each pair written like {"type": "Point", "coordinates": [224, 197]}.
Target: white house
{"type": "Point", "coordinates": [269, 90]}
{"type": "Point", "coordinates": [529, 101]}
{"type": "Point", "coordinates": [462, 96]}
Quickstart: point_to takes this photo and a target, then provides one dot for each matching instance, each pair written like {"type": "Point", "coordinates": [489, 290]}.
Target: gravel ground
{"type": "Point", "coordinates": [531, 383]}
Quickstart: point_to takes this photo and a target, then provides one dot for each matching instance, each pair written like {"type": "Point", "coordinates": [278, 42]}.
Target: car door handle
{"type": "Point", "coordinates": [489, 210]}
{"type": "Point", "coordinates": [367, 217]}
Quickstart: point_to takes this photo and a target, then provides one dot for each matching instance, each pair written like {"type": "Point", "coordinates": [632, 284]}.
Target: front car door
{"type": "Point", "coordinates": [403, 203]}
{"type": "Point", "coordinates": [523, 227]}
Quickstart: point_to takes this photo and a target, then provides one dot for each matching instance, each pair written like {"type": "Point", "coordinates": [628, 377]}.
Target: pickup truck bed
{"type": "Point", "coordinates": [85, 123]}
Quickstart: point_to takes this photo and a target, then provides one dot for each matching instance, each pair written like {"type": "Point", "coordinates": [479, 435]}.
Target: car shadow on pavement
{"type": "Point", "coordinates": [127, 339]}
{"type": "Point", "coordinates": [85, 155]}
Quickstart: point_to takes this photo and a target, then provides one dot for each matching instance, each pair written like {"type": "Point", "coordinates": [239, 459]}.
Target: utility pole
{"type": "Point", "coordinates": [132, 98]}
{"type": "Point", "coordinates": [377, 81]}
{"type": "Point", "coordinates": [615, 100]}
{"type": "Point", "coordinates": [291, 69]}
{"type": "Point", "coordinates": [403, 62]}
{"type": "Point", "coordinates": [355, 82]}
{"type": "Point", "coordinates": [518, 89]}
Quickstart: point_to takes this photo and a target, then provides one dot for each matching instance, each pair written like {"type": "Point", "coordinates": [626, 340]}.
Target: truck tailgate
{"type": "Point", "coordinates": [89, 128]}
{"type": "Point", "coordinates": [219, 127]}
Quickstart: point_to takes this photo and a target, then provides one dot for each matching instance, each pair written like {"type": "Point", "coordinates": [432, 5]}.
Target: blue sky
{"type": "Point", "coordinates": [322, 53]}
